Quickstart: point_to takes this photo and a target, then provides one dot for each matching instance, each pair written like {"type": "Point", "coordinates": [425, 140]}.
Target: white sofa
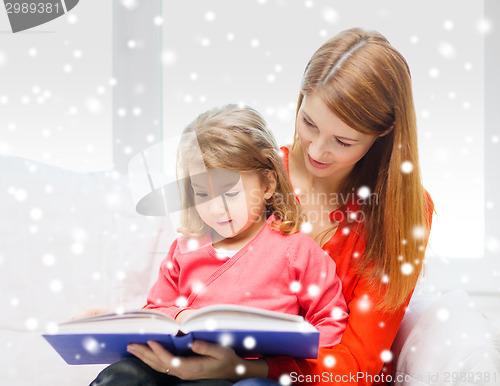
{"type": "Point", "coordinates": [72, 241]}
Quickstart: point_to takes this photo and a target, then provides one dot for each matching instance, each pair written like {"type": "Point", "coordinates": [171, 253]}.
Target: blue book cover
{"type": "Point", "coordinates": [250, 332]}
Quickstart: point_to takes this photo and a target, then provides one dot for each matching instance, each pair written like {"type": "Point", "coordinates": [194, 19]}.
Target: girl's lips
{"type": "Point", "coordinates": [223, 223]}
{"type": "Point", "coordinates": [316, 164]}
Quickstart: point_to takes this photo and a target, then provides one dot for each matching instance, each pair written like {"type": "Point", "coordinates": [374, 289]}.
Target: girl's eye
{"type": "Point", "coordinates": [200, 194]}
{"type": "Point", "coordinates": [231, 194]}
{"type": "Point", "coordinates": [343, 144]}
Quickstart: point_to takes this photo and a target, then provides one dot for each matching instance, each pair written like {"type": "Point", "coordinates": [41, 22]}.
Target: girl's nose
{"type": "Point", "coordinates": [216, 206]}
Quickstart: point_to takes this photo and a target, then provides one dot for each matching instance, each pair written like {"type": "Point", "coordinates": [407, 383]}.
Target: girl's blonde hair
{"type": "Point", "coordinates": [367, 84]}
{"type": "Point", "coordinates": [235, 138]}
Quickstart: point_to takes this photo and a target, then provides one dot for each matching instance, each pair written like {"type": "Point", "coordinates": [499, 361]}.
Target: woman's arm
{"type": "Point", "coordinates": [368, 337]}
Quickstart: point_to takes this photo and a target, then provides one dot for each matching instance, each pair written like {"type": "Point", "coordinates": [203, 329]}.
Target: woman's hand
{"type": "Point", "coordinates": [215, 362]}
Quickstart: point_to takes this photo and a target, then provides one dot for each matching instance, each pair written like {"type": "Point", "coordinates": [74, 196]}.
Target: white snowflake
{"type": "Point", "coordinates": [295, 286]}
{"type": "Point", "coordinates": [448, 25]}
{"type": "Point", "coordinates": [434, 72]}
{"type": "Point", "coordinates": [285, 380]}
{"type": "Point", "coordinates": [443, 314]}
{"type": "Point", "coordinates": [329, 361]}
{"type": "Point", "coordinates": [158, 20]}
{"type": "Point", "coordinates": [364, 304]}
{"type": "Point", "coordinates": [306, 227]}
{"type": "Point", "coordinates": [226, 340]}
{"type": "Point", "coordinates": [91, 345]}
{"type": "Point", "coordinates": [129, 4]}
{"type": "Point", "coordinates": [447, 50]}
{"type": "Point", "coordinates": [484, 26]}
{"type": "Point", "coordinates": [210, 16]}
{"type": "Point", "coordinates": [181, 301]}
{"type": "Point", "coordinates": [249, 342]}
{"type": "Point", "coordinates": [313, 290]}
{"type": "Point", "coordinates": [56, 286]}
{"type": "Point", "coordinates": [330, 15]}
{"type": "Point", "coordinates": [77, 248]}
{"type": "Point", "coordinates": [338, 313]}
{"type": "Point", "coordinates": [386, 355]}
{"type": "Point", "coordinates": [406, 167]}
{"type": "Point", "coordinates": [31, 324]}
{"type": "Point", "coordinates": [364, 192]}
{"type": "Point", "coordinates": [406, 268]}
{"type": "Point", "coordinates": [240, 369]}
{"type": "Point", "coordinates": [210, 324]}
{"type": "Point", "coordinates": [48, 259]}
{"type": "Point", "coordinates": [51, 328]}
{"type": "Point", "coordinates": [192, 244]}
{"type": "Point", "coordinates": [169, 57]}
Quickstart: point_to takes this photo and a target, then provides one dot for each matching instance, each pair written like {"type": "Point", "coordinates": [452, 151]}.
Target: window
{"type": "Point", "coordinates": [57, 86]}
{"type": "Point", "coordinates": [255, 53]}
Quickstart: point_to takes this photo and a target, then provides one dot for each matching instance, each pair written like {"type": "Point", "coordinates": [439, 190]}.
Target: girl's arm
{"type": "Point", "coordinates": [320, 295]}
{"type": "Point", "coordinates": [164, 295]}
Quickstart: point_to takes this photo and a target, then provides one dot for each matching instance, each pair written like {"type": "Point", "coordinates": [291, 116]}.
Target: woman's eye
{"type": "Point", "coordinates": [342, 143]}
{"type": "Point", "coordinates": [231, 194]}
{"type": "Point", "coordinates": [308, 123]}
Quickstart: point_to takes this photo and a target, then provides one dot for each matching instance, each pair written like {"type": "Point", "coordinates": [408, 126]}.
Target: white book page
{"type": "Point", "coordinates": [233, 317]}
{"type": "Point", "coordinates": [144, 321]}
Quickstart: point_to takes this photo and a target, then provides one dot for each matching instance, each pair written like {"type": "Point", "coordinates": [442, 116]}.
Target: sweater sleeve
{"type": "Point", "coordinates": [319, 290]}
{"type": "Point", "coordinates": [164, 295]}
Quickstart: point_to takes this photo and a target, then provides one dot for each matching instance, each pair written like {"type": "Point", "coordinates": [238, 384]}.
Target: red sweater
{"type": "Point", "coordinates": [368, 333]}
{"type": "Point", "coordinates": [259, 275]}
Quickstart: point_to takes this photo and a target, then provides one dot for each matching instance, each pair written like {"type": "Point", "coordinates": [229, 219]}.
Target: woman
{"type": "Point", "coordinates": [354, 167]}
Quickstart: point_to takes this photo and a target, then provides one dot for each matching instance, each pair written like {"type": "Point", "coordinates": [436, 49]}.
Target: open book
{"type": "Point", "coordinates": [249, 331]}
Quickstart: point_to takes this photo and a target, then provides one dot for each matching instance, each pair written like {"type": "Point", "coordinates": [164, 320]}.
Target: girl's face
{"type": "Point", "coordinates": [329, 146]}
{"type": "Point", "coordinates": [231, 203]}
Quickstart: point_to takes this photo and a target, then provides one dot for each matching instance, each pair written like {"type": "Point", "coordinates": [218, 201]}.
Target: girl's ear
{"type": "Point", "coordinates": [389, 129]}
{"type": "Point", "coordinates": [271, 183]}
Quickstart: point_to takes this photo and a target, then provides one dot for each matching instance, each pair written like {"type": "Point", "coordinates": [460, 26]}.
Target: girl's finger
{"type": "Point", "coordinates": [145, 354]}
{"type": "Point", "coordinates": [208, 349]}
{"type": "Point", "coordinates": [165, 356]}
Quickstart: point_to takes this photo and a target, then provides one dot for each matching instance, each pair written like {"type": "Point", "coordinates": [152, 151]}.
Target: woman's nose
{"type": "Point", "coordinates": [317, 149]}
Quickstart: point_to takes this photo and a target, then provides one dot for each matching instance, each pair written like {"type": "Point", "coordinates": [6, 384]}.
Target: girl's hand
{"type": "Point", "coordinates": [182, 315]}
{"type": "Point", "coordinates": [215, 362]}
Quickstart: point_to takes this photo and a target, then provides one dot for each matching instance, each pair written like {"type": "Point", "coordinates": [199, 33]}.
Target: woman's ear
{"type": "Point", "coordinates": [271, 183]}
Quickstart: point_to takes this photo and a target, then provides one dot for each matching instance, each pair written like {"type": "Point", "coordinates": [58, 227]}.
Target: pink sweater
{"type": "Point", "coordinates": [290, 274]}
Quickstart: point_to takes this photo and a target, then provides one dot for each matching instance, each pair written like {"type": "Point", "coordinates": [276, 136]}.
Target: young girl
{"type": "Point", "coordinates": [240, 245]}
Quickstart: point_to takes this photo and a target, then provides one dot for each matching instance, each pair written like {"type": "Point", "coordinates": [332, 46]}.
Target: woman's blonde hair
{"type": "Point", "coordinates": [235, 138]}
{"type": "Point", "coordinates": [367, 84]}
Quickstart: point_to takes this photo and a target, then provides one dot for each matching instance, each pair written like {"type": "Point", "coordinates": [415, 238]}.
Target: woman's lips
{"type": "Point", "coordinates": [317, 164]}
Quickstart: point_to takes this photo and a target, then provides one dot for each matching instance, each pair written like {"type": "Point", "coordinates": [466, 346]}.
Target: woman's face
{"type": "Point", "coordinates": [329, 146]}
